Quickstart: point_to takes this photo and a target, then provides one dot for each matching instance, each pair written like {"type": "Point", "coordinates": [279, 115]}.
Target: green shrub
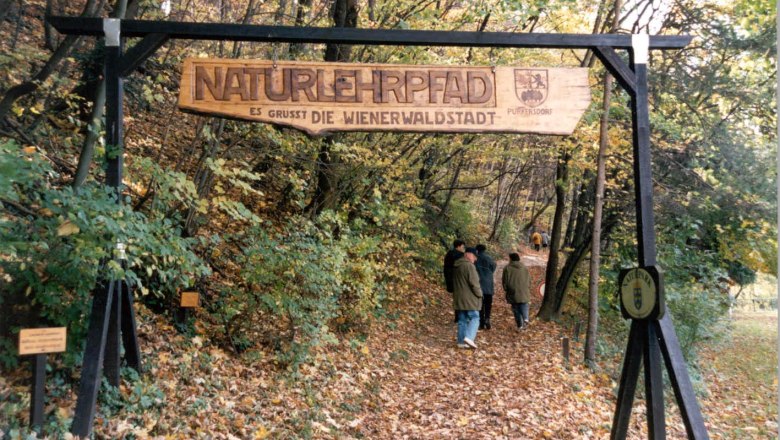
{"type": "Point", "coordinates": [58, 243]}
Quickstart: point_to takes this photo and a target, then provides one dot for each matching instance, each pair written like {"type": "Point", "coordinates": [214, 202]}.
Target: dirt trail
{"type": "Point", "coordinates": [514, 385]}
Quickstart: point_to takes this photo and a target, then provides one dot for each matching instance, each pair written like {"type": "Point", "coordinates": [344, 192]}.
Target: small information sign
{"type": "Point", "coordinates": [42, 340]}
{"type": "Point", "coordinates": [190, 299]}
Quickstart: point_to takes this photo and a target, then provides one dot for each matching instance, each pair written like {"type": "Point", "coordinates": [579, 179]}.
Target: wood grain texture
{"type": "Point", "coordinates": [321, 98]}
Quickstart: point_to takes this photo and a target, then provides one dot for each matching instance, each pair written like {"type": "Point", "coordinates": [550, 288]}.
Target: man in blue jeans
{"type": "Point", "coordinates": [516, 282]}
{"type": "Point", "coordinates": [467, 298]}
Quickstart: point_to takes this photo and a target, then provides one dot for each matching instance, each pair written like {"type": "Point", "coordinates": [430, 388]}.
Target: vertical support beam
{"type": "Point", "coordinates": [112, 358]}
{"type": "Point", "coordinates": [114, 95]}
{"type": "Point", "coordinates": [38, 391]}
{"type": "Point", "coordinates": [681, 383]}
{"type": "Point", "coordinates": [643, 178]}
{"type": "Point", "coordinates": [645, 228]}
{"type": "Point", "coordinates": [114, 164]}
{"type": "Point", "coordinates": [84, 416]}
{"type": "Point", "coordinates": [654, 384]}
{"type": "Point", "coordinates": [105, 296]}
{"type": "Point", "coordinates": [129, 334]}
{"type": "Point", "coordinates": [628, 378]}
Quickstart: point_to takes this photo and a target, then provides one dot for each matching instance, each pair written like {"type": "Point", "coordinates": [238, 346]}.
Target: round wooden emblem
{"type": "Point", "coordinates": [638, 293]}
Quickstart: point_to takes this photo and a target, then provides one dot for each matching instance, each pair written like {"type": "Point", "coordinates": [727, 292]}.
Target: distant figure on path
{"type": "Point", "coordinates": [458, 248]}
{"type": "Point", "coordinates": [485, 268]}
{"type": "Point", "coordinates": [545, 239]}
{"type": "Point", "coordinates": [517, 284]}
{"type": "Point", "coordinates": [536, 239]}
{"type": "Point", "coordinates": [466, 298]}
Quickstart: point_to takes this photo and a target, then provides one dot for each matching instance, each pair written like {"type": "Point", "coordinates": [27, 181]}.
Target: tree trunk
{"type": "Point", "coordinates": [568, 239]}
{"type": "Point", "coordinates": [453, 184]}
{"type": "Point", "coordinates": [580, 245]}
{"type": "Point", "coordinates": [5, 6]}
{"type": "Point", "coordinates": [27, 87]}
{"type": "Point", "coordinates": [595, 253]}
{"type": "Point", "coordinates": [48, 30]}
{"type": "Point", "coordinates": [551, 296]}
{"type": "Point", "coordinates": [344, 14]}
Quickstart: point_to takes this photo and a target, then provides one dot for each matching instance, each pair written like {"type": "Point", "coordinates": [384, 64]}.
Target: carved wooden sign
{"type": "Point", "coordinates": [327, 97]}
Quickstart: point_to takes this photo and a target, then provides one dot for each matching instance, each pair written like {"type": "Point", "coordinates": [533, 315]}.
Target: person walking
{"type": "Point", "coordinates": [458, 248]}
{"type": "Point", "coordinates": [466, 298]}
{"type": "Point", "coordinates": [536, 239]}
{"type": "Point", "coordinates": [545, 239]}
{"type": "Point", "coordinates": [517, 284]}
{"type": "Point", "coordinates": [485, 268]}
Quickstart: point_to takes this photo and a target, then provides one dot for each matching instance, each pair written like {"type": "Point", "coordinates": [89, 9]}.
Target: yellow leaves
{"type": "Point", "coordinates": [46, 212]}
{"type": "Point", "coordinates": [463, 421]}
{"type": "Point", "coordinates": [67, 228]}
{"type": "Point", "coordinates": [261, 433]}
{"type": "Point", "coordinates": [64, 412]}
{"type": "Point", "coordinates": [365, 350]}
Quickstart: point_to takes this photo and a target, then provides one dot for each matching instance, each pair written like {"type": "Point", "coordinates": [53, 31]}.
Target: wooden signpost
{"type": "Point", "coordinates": [38, 342]}
{"type": "Point", "coordinates": [189, 300]}
{"type": "Point", "coordinates": [326, 97]}
{"type": "Point", "coordinates": [321, 98]}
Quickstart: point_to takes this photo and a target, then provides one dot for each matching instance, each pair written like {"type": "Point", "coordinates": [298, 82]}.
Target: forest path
{"type": "Point", "coordinates": [514, 385]}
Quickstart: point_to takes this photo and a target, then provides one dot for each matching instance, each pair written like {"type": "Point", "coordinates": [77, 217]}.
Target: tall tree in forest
{"type": "Point", "coordinates": [551, 303]}
{"type": "Point", "coordinates": [595, 252]}
{"type": "Point", "coordinates": [344, 14]}
{"type": "Point", "coordinates": [63, 50]}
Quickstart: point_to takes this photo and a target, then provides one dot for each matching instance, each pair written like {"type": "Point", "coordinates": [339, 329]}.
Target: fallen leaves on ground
{"type": "Point", "coordinates": [407, 380]}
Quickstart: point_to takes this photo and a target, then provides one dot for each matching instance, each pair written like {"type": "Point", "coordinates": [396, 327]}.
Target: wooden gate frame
{"type": "Point", "coordinates": [648, 340]}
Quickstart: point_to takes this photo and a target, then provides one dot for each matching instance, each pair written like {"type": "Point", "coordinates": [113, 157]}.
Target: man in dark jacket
{"type": "Point", "coordinates": [517, 284]}
{"type": "Point", "coordinates": [485, 268]}
{"type": "Point", "coordinates": [458, 248]}
{"type": "Point", "coordinates": [466, 298]}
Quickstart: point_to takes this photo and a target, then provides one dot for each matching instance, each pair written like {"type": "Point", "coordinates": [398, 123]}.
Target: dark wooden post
{"type": "Point", "coordinates": [645, 228]}
{"type": "Point", "coordinates": [104, 334]}
{"type": "Point", "coordinates": [651, 338]}
{"type": "Point", "coordinates": [642, 344]}
{"type": "Point", "coordinates": [628, 380]}
{"type": "Point", "coordinates": [84, 416]}
{"type": "Point", "coordinates": [38, 395]}
{"type": "Point", "coordinates": [112, 360]}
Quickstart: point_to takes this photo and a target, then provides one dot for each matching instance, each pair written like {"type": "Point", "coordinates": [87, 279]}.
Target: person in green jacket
{"type": "Point", "coordinates": [517, 285]}
{"type": "Point", "coordinates": [466, 298]}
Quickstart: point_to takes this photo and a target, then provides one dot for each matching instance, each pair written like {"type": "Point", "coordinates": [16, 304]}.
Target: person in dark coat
{"type": "Point", "coordinates": [466, 299]}
{"type": "Point", "coordinates": [485, 268]}
{"type": "Point", "coordinates": [516, 281]}
{"type": "Point", "coordinates": [458, 248]}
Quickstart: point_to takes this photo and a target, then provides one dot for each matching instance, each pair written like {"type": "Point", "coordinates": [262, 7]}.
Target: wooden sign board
{"type": "Point", "coordinates": [42, 340]}
{"type": "Point", "coordinates": [321, 98]}
{"type": "Point", "coordinates": [190, 299]}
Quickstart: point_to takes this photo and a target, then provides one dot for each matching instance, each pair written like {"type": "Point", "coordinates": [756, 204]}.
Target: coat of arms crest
{"type": "Point", "coordinates": [637, 296]}
{"type": "Point", "coordinates": [531, 86]}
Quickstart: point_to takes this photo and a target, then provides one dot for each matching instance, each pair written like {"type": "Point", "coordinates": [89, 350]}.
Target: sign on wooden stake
{"type": "Point", "coordinates": [190, 299]}
{"type": "Point", "coordinates": [42, 340]}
